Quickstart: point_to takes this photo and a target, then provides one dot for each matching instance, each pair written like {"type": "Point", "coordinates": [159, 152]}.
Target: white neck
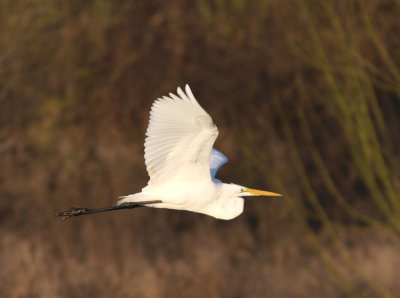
{"type": "Point", "coordinates": [229, 205]}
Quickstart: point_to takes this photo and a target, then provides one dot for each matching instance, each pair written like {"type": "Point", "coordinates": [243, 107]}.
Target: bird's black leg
{"type": "Point", "coordinates": [84, 211]}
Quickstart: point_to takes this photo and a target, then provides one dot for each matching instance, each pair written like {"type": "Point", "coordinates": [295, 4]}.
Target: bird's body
{"type": "Point", "coordinates": [219, 200]}
{"type": "Point", "coordinates": [182, 164]}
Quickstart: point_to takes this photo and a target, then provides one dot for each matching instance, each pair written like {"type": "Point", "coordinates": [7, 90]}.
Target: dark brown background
{"type": "Point", "coordinates": [306, 95]}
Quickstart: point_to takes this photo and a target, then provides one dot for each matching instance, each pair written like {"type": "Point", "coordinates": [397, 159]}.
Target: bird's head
{"type": "Point", "coordinates": [231, 200]}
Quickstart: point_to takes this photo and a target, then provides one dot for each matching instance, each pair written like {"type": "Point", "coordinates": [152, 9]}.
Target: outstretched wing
{"type": "Point", "coordinates": [217, 160]}
{"type": "Point", "coordinates": [179, 138]}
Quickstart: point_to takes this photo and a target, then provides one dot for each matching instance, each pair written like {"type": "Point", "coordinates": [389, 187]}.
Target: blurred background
{"type": "Point", "coordinates": [306, 95]}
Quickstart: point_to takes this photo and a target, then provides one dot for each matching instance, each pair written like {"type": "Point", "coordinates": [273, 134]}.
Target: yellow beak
{"type": "Point", "coordinates": [257, 192]}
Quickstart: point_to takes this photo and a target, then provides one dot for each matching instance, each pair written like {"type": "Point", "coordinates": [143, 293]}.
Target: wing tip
{"type": "Point", "coordinates": [183, 95]}
{"type": "Point", "coordinates": [187, 88]}
{"type": "Point", "coordinates": [190, 93]}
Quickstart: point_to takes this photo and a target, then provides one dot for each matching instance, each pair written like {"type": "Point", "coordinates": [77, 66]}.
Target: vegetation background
{"type": "Point", "coordinates": [306, 95]}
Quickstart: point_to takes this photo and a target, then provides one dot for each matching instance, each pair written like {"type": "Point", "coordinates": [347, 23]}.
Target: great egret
{"type": "Point", "coordinates": [182, 164]}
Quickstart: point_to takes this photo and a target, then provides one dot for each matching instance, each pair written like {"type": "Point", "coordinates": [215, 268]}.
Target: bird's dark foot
{"type": "Point", "coordinates": [71, 212]}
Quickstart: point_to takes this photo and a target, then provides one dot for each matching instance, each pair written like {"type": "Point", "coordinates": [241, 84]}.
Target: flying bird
{"type": "Point", "coordinates": [182, 164]}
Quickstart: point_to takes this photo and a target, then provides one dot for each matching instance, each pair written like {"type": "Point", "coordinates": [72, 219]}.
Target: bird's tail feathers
{"type": "Point", "coordinates": [137, 197]}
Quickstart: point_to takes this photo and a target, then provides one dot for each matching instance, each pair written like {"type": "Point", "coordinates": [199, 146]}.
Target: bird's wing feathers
{"type": "Point", "coordinates": [180, 136]}
{"type": "Point", "coordinates": [217, 160]}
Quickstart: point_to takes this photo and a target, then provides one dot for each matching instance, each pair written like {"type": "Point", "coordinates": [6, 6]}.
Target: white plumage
{"type": "Point", "coordinates": [180, 134]}
{"type": "Point", "coordinates": [182, 163]}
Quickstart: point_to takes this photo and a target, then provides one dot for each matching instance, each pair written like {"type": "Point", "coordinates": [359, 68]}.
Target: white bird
{"type": "Point", "coordinates": [182, 164]}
